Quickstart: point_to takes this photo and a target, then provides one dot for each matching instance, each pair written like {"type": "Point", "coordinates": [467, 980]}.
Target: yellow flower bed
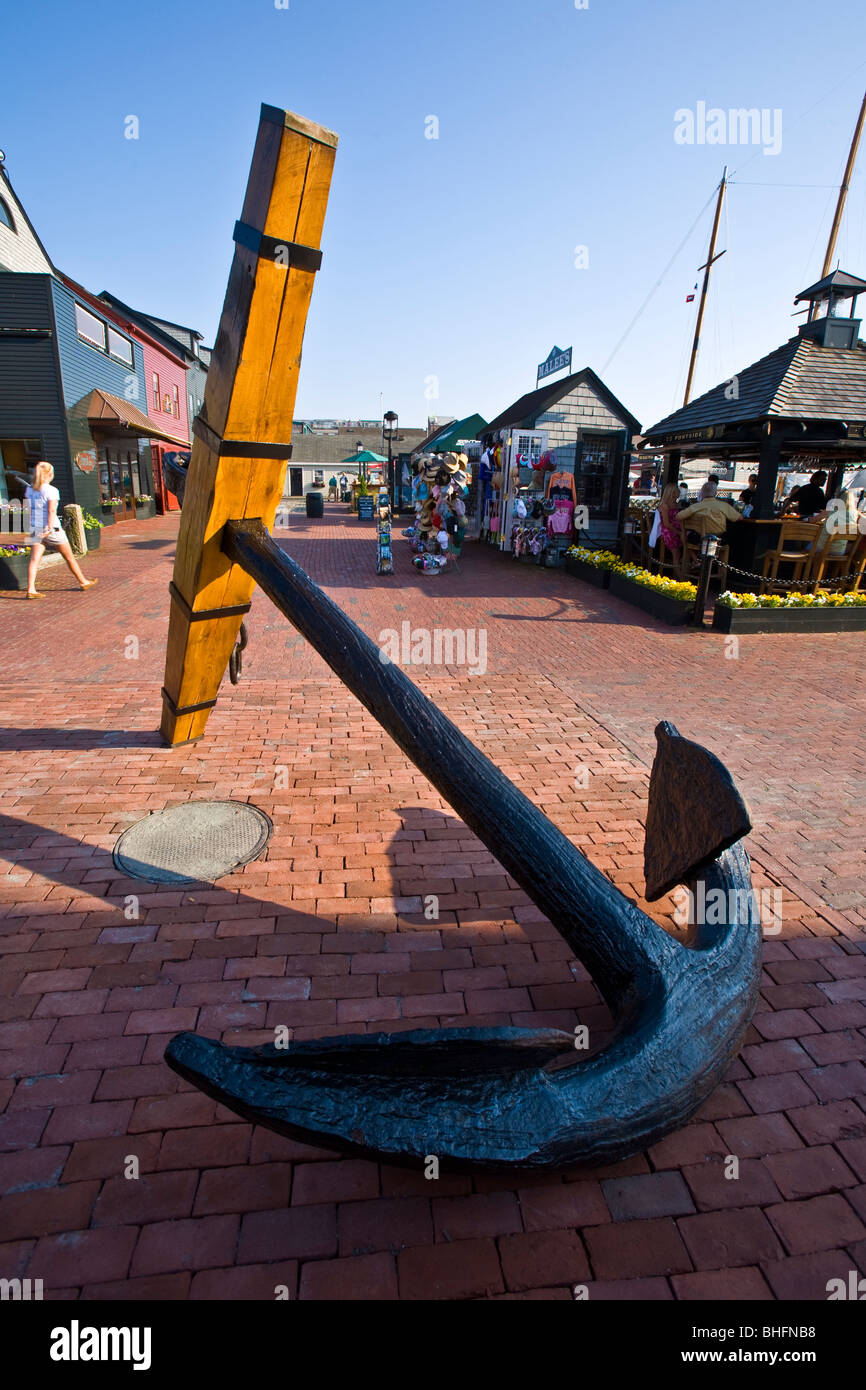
{"type": "Point", "coordinates": [660, 583]}
{"type": "Point", "coordinates": [599, 559]}
{"type": "Point", "coordinates": [824, 598]}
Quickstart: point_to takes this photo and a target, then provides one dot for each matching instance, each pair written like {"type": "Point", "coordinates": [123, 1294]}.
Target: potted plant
{"type": "Point", "coordinates": [144, 505]}
{"type": "Point", "coordinates": [823, 611]}
{"type": "Point", "coordinates": [109, 506]}
{"type": "Point", "coordinates": [670, 600]}
{"type": "Point", "coordinates": [14, 561]}
{"type": "Point", "coordinates": [92, 530]}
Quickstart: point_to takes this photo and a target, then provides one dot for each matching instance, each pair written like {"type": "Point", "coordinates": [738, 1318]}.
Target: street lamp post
{"type": "Point", "coordinates": [389, 430]}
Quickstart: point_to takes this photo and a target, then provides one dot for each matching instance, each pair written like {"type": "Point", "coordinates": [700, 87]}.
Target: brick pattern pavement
{"type": "Point", "coordinates": [325, 934]}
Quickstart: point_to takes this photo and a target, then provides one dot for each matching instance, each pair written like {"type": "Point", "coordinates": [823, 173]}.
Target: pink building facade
{"type": "Point", "coordinates": [165, 380]}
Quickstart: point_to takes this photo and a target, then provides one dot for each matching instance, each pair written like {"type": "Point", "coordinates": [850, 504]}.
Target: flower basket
{"type": "Point", "coordinates": [13, 568]}
{"type": "Point", "coordinates": [794, 612]}
{"type": "Point", "coordinates": [675, 611]}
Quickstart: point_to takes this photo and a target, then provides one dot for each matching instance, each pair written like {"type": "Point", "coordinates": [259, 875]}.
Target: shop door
{"type": "Point", "coordinates": [524, 448]}
{"type": "Point", "coordinates": [120, 476]}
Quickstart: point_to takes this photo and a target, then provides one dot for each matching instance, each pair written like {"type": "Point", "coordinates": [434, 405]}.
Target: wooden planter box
{"type": "Point", "coordinates": [107, 514]}
{"type": "Point", "coordinates": [744, 620]}
{"type": "Point", "coordinates": [13, 571]}
{"type": "Point", "coordinates": [668, 610]}
{"type": "Point", "coordinates": [93, 538]}
{"type": "Point", "coordinates": [590, 574]}
{"type": "Point", "coordinates": [145, 510]}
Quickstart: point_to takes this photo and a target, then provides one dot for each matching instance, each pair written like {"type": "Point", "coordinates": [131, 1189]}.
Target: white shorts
{"type": "Point", "coordinates": [51, 539]}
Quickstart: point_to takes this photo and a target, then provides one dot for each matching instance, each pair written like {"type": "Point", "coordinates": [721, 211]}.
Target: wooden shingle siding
{"type": "Point", "coordinates": [20, 250]}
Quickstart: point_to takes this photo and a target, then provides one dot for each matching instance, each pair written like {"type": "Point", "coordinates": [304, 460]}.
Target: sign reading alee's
{"type": "Point", "coordinates": [556, 359]}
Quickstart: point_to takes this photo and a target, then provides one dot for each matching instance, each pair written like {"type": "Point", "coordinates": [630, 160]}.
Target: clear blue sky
{"type": "Point", "coordinates": [450, 258]}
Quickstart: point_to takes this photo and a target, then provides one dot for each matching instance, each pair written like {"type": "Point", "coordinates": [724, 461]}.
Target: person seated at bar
{"type": "Point", "coordinates": [809, 499]}
{"type": "Point", "coordinates": [669, 519]}
{"type": "Point", "coordinates": [710, 487]}
{"type": "Point", "coordinates": [709, 517]}
{"type": "Point", "coordinates": [841, 520]}
{"type": "Point", "coordinates": [749, 494]}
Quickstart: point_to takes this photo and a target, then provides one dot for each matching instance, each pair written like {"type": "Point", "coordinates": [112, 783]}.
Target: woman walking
{"type": "Point", "coordinates": [46, 533]}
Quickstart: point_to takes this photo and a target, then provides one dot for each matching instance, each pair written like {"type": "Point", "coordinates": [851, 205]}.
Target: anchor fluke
{"type": "Point", "coordinates": [694, 812]}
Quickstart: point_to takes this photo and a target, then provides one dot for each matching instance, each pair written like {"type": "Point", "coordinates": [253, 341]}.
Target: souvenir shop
{"type": "Point", "coordinates": [440, 494]}
{"type": "Point", "coordinates": [553, 469]}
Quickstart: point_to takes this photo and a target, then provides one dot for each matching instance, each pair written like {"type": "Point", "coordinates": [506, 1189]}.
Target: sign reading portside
{"type": "Point", "coordinates": [556, 359]}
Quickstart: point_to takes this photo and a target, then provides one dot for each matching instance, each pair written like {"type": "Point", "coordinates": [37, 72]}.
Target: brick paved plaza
{"type": "Point", "coordinates": [325, 934]}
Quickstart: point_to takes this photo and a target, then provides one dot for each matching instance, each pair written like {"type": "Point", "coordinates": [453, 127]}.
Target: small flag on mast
{"type": "Point", "coordinates": [690, 297]}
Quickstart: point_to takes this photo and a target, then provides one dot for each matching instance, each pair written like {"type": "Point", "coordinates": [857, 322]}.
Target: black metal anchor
{"type": "Point", "coordinates": [491, 1098]}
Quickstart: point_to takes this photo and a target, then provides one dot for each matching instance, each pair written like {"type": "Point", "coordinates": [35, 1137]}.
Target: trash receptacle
{"type": "Point", "coordinates": [315, 504]}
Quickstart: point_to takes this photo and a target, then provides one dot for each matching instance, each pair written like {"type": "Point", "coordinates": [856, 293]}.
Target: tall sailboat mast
{"type": "Point", "coordinates": [711, 258]}
{"type": "Point", "coordinates": [843, 190]}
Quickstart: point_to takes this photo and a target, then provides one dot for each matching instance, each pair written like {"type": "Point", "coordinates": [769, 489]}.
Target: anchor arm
{"type": "Point", "coordinates": [506, 1098]}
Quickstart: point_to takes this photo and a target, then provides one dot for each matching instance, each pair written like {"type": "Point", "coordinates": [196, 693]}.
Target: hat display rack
{"type": "Point", "coordinates": [439, 492]}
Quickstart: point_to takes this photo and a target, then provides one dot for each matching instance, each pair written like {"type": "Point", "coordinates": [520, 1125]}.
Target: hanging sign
{"type": "Point", "coordinates": [556, 359]}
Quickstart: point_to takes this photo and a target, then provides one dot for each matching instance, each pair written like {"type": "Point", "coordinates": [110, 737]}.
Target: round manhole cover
{"type": "Point", "coordinates": [198, 842]}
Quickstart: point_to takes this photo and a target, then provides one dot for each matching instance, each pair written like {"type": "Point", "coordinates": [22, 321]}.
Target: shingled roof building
{"type": "Point", "coordinates": [590, 433]}
{"type": "Point", "coordinates": [802, 407]}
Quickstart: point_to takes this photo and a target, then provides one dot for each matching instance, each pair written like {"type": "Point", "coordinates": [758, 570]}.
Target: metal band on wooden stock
{"type": "Point", "coordinates": [272, 248]}
{"type": "Point", "coordinates": [186, 709]}
{"type": "Point", "coordinates": [238, 448]}
{"type": "Point", "coordinates": [203, 615]}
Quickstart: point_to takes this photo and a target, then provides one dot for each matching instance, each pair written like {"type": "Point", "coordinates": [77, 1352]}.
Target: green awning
{"type": "Point", "coordinates": [447, 441]}
{"type": "Point", "coordinates": [365, 456]}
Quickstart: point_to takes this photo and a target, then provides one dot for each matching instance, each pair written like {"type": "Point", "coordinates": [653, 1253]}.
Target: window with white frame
{"type": "Point", "coordinates": [119, 347]}
{"type": "Point", "coordinates": [89, 327]}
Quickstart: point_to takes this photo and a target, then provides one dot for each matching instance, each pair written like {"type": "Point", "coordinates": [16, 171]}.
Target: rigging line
{"type": "Point", "coordinates": [660, 279]}
{"type": "Point", "coordinates": [751, 183]}
{"type": "Point", "coordinates": [832, 92]}
{"type": "Point", "coordinates": [820, 227]}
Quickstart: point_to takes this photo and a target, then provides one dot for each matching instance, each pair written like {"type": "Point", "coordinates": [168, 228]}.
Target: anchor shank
{"type": "Point", "coordinates": [622, 948]}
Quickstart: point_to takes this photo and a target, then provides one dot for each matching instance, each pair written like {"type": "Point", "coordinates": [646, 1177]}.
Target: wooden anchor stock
{"type": "Point", "coordinates": [238, 461]}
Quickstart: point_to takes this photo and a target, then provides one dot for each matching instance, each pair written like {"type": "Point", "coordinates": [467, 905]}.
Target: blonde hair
{"type": "Point", "coordinates": [671, 495]}
{"type": "Point", "coordinates": [42, 474]}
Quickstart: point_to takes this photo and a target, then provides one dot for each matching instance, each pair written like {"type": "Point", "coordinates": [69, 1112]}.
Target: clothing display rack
{"type": "Point", "coordinates": [384, 559]}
